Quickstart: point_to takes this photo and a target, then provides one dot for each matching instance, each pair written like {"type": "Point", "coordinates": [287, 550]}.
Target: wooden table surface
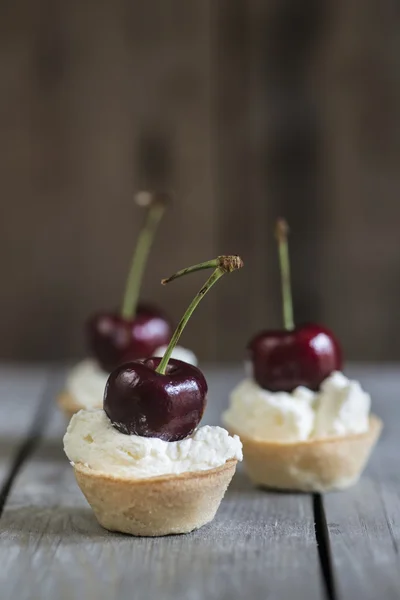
{"type": "Point", "coordinates": [261, 545]}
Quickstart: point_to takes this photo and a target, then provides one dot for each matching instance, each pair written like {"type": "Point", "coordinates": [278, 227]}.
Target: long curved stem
{"type": "Point", "coordinates": [139, 260]}
{"type": "Point", "coordinates": [210, 264]}
{"type": "Point", "coordinates": [222, 265]}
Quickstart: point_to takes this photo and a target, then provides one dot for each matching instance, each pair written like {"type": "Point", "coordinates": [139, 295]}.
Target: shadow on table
{"type": "Point", "coordinates": [240, 484]}
{"type": "Point", "coordinates": [73, 525]}
{"type": "Point", "coordinates": [68, 522]}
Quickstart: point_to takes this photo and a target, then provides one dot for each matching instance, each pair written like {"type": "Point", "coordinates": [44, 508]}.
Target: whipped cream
{"type": "Point", "coordinates": [270, 415]}
{"type": "Point", "coordinates": [86, 383]}
{"type": "Point", "coordinates": [87, 380]}
{"type": "Point", "coordinates": [341, 407]}
{"type": "Point", "coordinates": [92, 440]}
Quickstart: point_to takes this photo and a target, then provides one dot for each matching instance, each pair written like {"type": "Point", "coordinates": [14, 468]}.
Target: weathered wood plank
{"type": "Point", "coordinates": [246, 109]}
{"type": "Point", "coordinates": [21, 390]}
{"type": "Point", "coordinates": [364, 522]}
{"type": "Point", "coordinates": [260, 545]}
{"type": "Point", "coordinates": [358, 94]}
{"type": "Point", "coordinates": [100, 100]}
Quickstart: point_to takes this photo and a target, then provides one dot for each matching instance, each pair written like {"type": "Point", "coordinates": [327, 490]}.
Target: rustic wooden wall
{"type": "Point", "coordinates": [247, 110]}
{"type": "Point", "coordinates": [360, 99]}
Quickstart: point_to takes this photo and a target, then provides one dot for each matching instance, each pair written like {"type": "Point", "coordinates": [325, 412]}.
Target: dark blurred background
{"type": "Point", "coordinates": [247, 110]}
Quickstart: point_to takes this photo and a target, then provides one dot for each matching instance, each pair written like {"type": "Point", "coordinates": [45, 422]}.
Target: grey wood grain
{"type": "Point", "coordinates": [21, 390]}
{"type": "Point", "coordinates": [261, 545]}
{"type": "Point", "coordinates": [84, 129]}
{"type": "Point", "coordinates": [229, 94]}
{"type": "Point", "coordinates": [364, 522]}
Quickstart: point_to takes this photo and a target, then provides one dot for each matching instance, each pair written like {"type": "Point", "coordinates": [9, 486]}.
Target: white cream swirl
{"type": "Point", "coordinates": [92, 440]}
{"type": "Point", "coordinates": [276, 416]}
{"type": "Point", "coordinates": [86, 383]}
{"type": "Point", "coordinates": [340, 407]}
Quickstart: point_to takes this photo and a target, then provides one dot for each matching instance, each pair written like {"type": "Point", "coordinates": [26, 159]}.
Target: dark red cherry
{"type": "Point", "coordinates": [140, 401]}
{"type": "Point", "coordinates": [114, 340]}
{"type": "Point", "coordinates": [164, 397]}
{"type": "Point", "coordinates": [282, 360]}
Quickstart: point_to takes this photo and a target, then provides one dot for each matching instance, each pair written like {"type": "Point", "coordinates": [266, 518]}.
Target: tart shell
{"type": "Point", "coordinates": [319, 465]}
{"type": "Point", "coordinates": [158, 505]}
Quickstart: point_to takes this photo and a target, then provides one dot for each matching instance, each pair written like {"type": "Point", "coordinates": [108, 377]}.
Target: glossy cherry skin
{"type": "Point", "coordinates": [114, 340]}
{"type": "Point", "coordinates": [140, 401]}
{"type": "Point", "coordinates": [283, 360]}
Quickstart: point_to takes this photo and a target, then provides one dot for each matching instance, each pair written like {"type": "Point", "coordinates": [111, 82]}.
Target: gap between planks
{"type": "Point", "coordinates": [33, 435]}
{"type": "Point", "coordinates": [324, 547]}
{"type": "Point", "coordinates": [260, 544]}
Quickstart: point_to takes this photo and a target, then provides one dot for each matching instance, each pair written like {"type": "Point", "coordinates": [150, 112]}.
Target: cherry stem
{"type": "Point", "coordinates": [210, 264]}
{"type": "Point", "coordinates": [281, 233]}
{"type": "Point", "coordinates": [222, 265]}
{"type": "Point", "coordinates": [156, 204]}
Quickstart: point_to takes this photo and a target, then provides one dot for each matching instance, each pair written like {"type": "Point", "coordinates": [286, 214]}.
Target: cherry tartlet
{"type": "Point", "coordinates": [134, 332]}
{"type": "Point", "coordinates": [303, 424]}
{"type": "Point", "coordinates": [143, 463]}
{"type": "Point", "coordinates": [137, 330]}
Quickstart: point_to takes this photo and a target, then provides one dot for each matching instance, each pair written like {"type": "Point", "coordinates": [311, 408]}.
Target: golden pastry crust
{"type": "Point", "coordinates": [319, 465]}
{"type": "Point", "coordinates": [156, 506]}
{"type": "Point", "coordinates": [70, 406]}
